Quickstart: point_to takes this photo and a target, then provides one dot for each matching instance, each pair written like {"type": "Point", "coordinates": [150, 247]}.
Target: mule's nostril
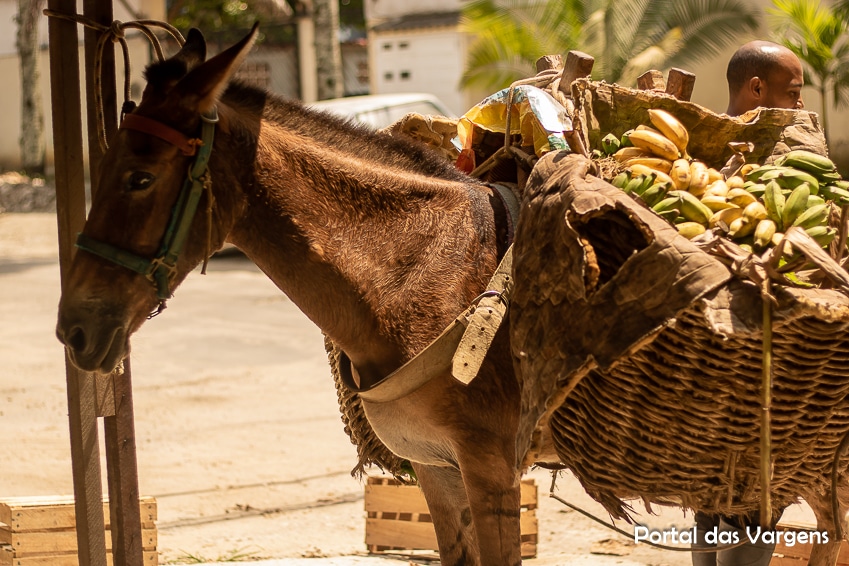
{"type": "Point", "coordinates": [75, 339]}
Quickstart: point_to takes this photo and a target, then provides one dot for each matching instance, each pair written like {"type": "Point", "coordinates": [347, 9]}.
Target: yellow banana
{"type": "Point", "coordinates": [764, 232]}
{"type": "Point", "coordinates": [660, 176]}
{"type": "Point", "coordinates": [716, 202]}
{"type": "Point", "coordinates": [670, 127]}
{"type": "Point", "coordinates": [723, 218]}
{"type": "Point", "coordinates": [690, 229]}
{"type": "Point", "coordinates": [630, 153]}
{"type": "Point", "coordinates": [754, 211]}
{"type": "Point", "coordinates": [741, 227]}
{"type": "Point", "coordinates": [655, 142]}
{"type": "Point", "coordinates": [740, 197]}
{"type": "Point", "coordinates": [717, 188]}
{"type": "Point", "coordinates": [714, 175]}
{"type": "Point", "coordinates": [699, 178]}
{"type": "Point", "coordinates": [747, 168]}
{"type": "Point", "coordinates": [680, 173]}
{"type": "Point", "coordinates": [657, 163]}
{"type": "Point", "coordinates": [735, 182]}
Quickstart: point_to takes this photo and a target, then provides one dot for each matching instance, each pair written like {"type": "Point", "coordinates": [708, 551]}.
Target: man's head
{"type": "Point", "coordinates": [762, 73]}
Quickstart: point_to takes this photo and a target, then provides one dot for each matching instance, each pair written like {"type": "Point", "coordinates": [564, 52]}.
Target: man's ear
{"type": "Point", "coordinates": [756, 88]}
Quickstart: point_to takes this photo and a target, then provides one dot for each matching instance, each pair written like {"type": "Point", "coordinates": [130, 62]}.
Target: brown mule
{"type": "Point", "coordinates": [381, 244]}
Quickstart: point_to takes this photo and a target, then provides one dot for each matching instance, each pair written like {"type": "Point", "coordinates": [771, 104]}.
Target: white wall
{"type": "Point", "coordinates": [418, 61]}
{"type": "Point", "coordinates": [382, 9]}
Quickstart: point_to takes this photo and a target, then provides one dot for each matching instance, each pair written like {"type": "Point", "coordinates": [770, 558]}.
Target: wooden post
{"type": "Point", "coordinates": [651, 80]}
{"type": "Point", "coordinates": [679, 83]}
{"type": "Point", "coordinates": [118, 426]}
{"type": "Point", "coordinates": [578, 65]}
{"type": "Point", "coordinates": [70, 215]}
{"type": "Point", "coordinates": [547, 62]}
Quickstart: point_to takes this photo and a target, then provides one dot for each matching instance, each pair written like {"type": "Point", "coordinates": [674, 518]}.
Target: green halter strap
{"type": "Point", "coordinates": [162, 269]}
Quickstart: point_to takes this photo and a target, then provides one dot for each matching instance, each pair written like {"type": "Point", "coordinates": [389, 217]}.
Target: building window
{"type": "Point", "coordinates": [388, 76]}
{"type": "Point", "coordinates": [387, 46]}
{"type": "Point", "coordinates": [404, 75]}
{"type": "Point", "coordinates": [403, 45]}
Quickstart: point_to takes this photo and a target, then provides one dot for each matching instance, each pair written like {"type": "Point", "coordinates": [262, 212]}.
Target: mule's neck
{"type": "Point", "coordinates": [381, 258]}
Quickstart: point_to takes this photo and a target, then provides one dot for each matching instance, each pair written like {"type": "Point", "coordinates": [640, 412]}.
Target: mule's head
{"type": "Point", "coordinates": [126, 264]}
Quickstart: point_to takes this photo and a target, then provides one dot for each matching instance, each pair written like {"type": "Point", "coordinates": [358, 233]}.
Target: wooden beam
{"type": "Point", "coordinates": [118, 428]}
{"type": "Point", "coordinates": [679, 83]}
{"type": "Point", "coordinates": [578, 65]}
{"type": "Point", "coordinates": [547, 62]}
{"type": "Point", "coordinates": [651, 80]}
{"type": "Point", "coordinates": [70, 215]}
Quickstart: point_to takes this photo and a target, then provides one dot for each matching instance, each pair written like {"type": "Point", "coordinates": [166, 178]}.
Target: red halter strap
{"type": "Point", "coordinates": [189, 146]}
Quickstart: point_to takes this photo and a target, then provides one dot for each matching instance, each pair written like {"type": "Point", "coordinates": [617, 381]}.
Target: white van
{"type": "Point", "coordinates": [381, 110]}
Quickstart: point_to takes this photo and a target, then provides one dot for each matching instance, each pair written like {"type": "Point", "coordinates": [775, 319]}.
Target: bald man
{"type": "Point", "coordinates": [767, 75]}
{"type": "Point", "coordinates": [764, 74]}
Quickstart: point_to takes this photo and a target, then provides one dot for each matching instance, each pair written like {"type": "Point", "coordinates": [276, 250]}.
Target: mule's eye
{"type": "Point", "coordinates": [139, 181]}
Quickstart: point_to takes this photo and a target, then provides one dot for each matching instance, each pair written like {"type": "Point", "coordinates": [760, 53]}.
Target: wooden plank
{"type": "Point", "coordinates": [577, 65]}
{"type": "Point", "coordinates": [403, 534]}
{"type": "Point", "coordinates": [394, 499]}
{"type": "Point", "coordinates": [680, 83]}
{"type": "Point", "coordinates": [39, 513]}
{"type": "Point", "coordinates": [70, 214]}
{"type": "Point", "coordinates": [547, 62]}
{"type": "Point", "coordinates": [120, 438]}
{"type": "Point", "coordinates": [37, 543]}
{"type": "Point", "coordinates": [651, 80]}
{"type": "Point", "coordinates": [151, 558]}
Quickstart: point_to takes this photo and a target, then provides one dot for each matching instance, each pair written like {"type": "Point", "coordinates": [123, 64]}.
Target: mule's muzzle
{"type": "Point", "coordinates": [93, 347]}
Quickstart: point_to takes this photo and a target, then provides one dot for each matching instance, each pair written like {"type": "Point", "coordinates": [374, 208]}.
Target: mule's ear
{"type": "Point", "coordinates": [193, 52]}
{"type": "Point", "coordinates": [203, 86]}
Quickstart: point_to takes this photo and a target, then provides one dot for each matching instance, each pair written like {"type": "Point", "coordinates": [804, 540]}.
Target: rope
{"type": "Point", "coordinates": [114, 33]}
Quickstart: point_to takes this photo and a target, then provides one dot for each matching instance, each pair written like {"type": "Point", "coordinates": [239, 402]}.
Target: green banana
{"type": "Point", "coordinates": [769, 171]}
{"type": "Point", "coordinates": [823, 235]}
{"type": "Point", "coordinates": [625, 140]}
{"type": "Point", "coordinates": [796, 203]}
{"type": "Point", "coordinates": [835, 193]}
{"type": "Point", "coordinates": [757, 189]}
{"type": "Point", "coordinates": [634, 183]}
{"type": "Point", "coordinates": [620, 180]}
{"type": "Point", "coordinates": [814, 200]}
{"type": "Point", "coordinates": [692, 208]}
{"type": "Point", "coordinates": [808, 161]}
{"type": "Point", "coordinates": [774, 204]}
{"type": "Point", "coordinates": [655, 193]}
{"type": "Point", "coordinates": [668, 204]}
{"type": "Point", "coordinates": [610, 144]}
{"type": "Point", "coordinates": [792, 178]}
{"type": "Point", "coordinates": [814, 216]}
{"type": "Point", "coordinates": [648, 181]}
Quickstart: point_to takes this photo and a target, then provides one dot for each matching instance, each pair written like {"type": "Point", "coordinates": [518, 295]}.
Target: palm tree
{"type": "Point", "coordinates": [817, 35]}
{"type": "Point", "coordinates": [626, 37]}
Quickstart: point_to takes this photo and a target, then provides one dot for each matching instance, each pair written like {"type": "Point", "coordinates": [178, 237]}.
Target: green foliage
{"type": "Point", "coordinates": [817, 35]}
{"type": "Point", "coordinates": [626, 37]}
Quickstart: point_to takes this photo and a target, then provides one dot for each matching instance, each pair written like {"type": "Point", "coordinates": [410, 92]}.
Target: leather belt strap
{"type": "Point", "coordinates": [155, 128]}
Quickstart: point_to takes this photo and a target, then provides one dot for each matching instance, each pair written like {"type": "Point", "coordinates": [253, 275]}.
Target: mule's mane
{"type": "Point", "coordinates": [340, 133]}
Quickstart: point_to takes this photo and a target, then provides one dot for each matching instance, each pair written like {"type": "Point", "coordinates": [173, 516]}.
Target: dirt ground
{"type": "Point", "coordinates": [238, 430]}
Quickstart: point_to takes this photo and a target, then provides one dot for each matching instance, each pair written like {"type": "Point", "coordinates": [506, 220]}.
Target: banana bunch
{"type": "Point", "coordinates": [753, 208]}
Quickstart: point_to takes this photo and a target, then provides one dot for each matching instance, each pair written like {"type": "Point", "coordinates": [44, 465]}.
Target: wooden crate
{"type": "Point", "coordinates": [41, 531]}
{"type": "Point", "coordinates": [798, 554]}
{"type": "Point", "coordinates": [399, 520]}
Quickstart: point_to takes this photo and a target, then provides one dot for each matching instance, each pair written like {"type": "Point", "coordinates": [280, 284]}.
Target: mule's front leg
{"type": "Point", "coordinates": [494, 493]}
{"type": "Point", "coordinates": [452, 519]}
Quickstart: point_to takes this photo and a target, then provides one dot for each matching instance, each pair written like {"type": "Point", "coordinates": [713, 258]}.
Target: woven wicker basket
{"type": "Point", "coordinates": [643, 355]}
